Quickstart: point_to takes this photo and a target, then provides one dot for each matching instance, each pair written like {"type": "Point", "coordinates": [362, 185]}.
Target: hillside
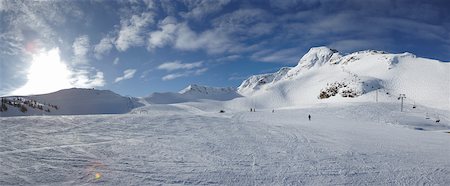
{"type": "Point", "coordinates": [324, 75]}
{"type": "Point", "coordinates": [193, 93]}
{"type": "Point", "coordinates": [73, 101]}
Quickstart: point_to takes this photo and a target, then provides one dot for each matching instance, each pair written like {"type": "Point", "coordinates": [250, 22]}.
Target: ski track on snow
{"type": "Point", "coordinates": [180, 145]}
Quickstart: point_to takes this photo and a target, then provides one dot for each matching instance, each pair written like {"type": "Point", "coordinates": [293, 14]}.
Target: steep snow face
{"type": "Point", "coordinates": [74, 101]}
{"type": "Point", "coordinates": [255, 82]}
{"type": "Point", "coordinates": [365, 74]}
{"type": "Point", "coordinates": [194, 93]}
{"type": "Point", "coordinates": [315, 58]}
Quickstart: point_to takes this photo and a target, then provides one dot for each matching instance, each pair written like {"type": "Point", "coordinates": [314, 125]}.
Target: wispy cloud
{"type": "Point", "coordinates": [184, 74]}
{"type": "Point", "coordinates": [177, 65]}
{"type": "Point", "coordinates": [287, 56]}
{"type": "Point", "coordinates": [116, 61]}
{"type": "Point", "coordinates": [247, 22]}
{"type": "Point", "coordinates": [132, 30]}
{"type": "Point", "coordinates": [183, 69]}
{"type": "Point", "coordinates": [167, 33]}
{"type": "Point", "coordinates": [173, 76]}
{"type": "Point", "coordinates": [181, 36]}
{"type": "Point", "coordinates": [84, 79]}
{"type": "Point", "coordinates": [103, 47]}
{"type": "Point", "coordinates": [200, 8]}
{"type": "Point", "coordinates": [80, 49]}
{"type": "Point", "coordinates": [127, 74]}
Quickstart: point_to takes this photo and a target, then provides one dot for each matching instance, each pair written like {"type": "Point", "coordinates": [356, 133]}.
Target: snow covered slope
{"type": "Point", "coordinates": [73, 101]}
{"type": "Point", "coordinates": [193, 93]}
{"type": "Point", "coordinates": [169, 145]}
{"type": "Point", "coordinates": [325, 76]}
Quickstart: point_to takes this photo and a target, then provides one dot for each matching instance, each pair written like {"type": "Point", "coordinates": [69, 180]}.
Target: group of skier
{"type": "Point", "coordinates": [273, 110]}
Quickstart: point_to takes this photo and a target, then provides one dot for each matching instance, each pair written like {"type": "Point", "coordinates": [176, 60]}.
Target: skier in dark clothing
{"type": "Point", "coordinates": [309, 117]}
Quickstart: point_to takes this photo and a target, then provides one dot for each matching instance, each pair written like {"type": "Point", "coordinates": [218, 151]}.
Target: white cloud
{"type": "Point", "coordinates": [177, 65]}
{"type": "Point", "coordinates": [173, 76]}
{"type": "Point", "coordinates": [166, 35]}
{"type": "Point", "coordinates": [184, 74]}
{"type": "Point", "coordinates": [248, 22]}
{"type": "Point", "coordinates": [287, 56]}
{"type": "Point", "coordinates": [80, 49]}
{"type": "Point", "coordinates": [103, 47]}
{"type": "Point", "coordinates": [150, 4]}
{"type": "Point", "coordinates": [2, 5]}
{"type": "Point", "coordinates": [37, 18]}
{"type": "Point", "coordinates": [200, 71]}
{"type": "Point", "coordinates": [116, 61]}
{"type": "Point", "coordinates": [228, 58]}
{"type": "Point", "coordinates": [182, 37]}
{"type": "Point", "coordinates": [190, 69]}
{"type": "Point", "coordinates": [201, 8]}
{"type": "Point", "coordinates": [145, 73]}
{"type": "Point", "coordinates": [127, 74]}
{"type": "Point", "coordinates": [131, 31]}
{"type": "Point", "coordinates": [83, 79]}
{"type": "Point", "coordinates": [213, 41]}
{"type": "Point", "coordinates": [10, 44]}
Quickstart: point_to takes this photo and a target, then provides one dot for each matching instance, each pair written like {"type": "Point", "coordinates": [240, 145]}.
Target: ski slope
{"type": "Point", "coordinates": [189, 145]}
{"type": "Point", "coordinates": [424, 81]}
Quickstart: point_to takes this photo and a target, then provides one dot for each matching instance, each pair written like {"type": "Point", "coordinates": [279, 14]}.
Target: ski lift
{"type": "Point", "coordinates": [414, 106]}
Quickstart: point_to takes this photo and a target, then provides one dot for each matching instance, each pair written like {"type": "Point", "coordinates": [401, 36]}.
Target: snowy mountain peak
{"type": "Point", "coordinates": [324, 75]}
{"type": "Point", "coordinates": [256, 81]}
{"type": "Point", "coordinates": [317, 56]}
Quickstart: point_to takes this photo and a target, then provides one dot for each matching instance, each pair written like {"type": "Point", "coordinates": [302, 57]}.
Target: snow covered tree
{"type": "Point", "coordinates": [3, 108]}
{"type": "Point", "coordinates": [23, 108]}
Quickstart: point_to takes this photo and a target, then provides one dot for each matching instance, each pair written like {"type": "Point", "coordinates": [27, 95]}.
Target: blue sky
{"type": "Point", "coordinates": [137, 47]}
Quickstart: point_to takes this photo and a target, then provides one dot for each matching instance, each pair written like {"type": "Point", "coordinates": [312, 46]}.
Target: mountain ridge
{"type": "Point", "coordinates": [322, 75]}
{"type": "Point", "coordinates": [360, 72]}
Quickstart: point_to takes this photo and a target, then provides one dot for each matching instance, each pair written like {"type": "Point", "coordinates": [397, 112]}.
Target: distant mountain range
{"type": "Point", "coordinates": [323, 75]}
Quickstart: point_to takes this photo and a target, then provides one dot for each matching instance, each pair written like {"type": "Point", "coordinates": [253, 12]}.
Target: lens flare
{"type": "Point", "coordinates": [98, 175]}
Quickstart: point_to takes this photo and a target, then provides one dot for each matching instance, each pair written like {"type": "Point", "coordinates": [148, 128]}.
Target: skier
{"type": "Point", "coordinates": [309, 117]}
{"type": "Point", "coordinates": [273, 110]}
{"type": "Point", "coordinates": [251, 110]}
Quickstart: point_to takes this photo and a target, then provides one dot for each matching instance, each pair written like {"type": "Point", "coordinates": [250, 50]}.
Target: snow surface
{"type": "Point", "coordinates": [424, 81]}
{"type": "Point", "coordinates": [183, 144]}
{"type": "Point", "coordinates": [181, 138]}
{"type": "Point", "coordinates": [77, 101]}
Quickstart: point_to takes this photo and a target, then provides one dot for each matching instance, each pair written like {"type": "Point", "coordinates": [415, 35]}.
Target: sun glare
{"type": "Point", "coordinates": [47, 73]}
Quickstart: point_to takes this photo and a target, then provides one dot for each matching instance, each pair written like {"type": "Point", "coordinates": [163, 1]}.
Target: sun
{"type": "Point", "coordinates": [47, 73]}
